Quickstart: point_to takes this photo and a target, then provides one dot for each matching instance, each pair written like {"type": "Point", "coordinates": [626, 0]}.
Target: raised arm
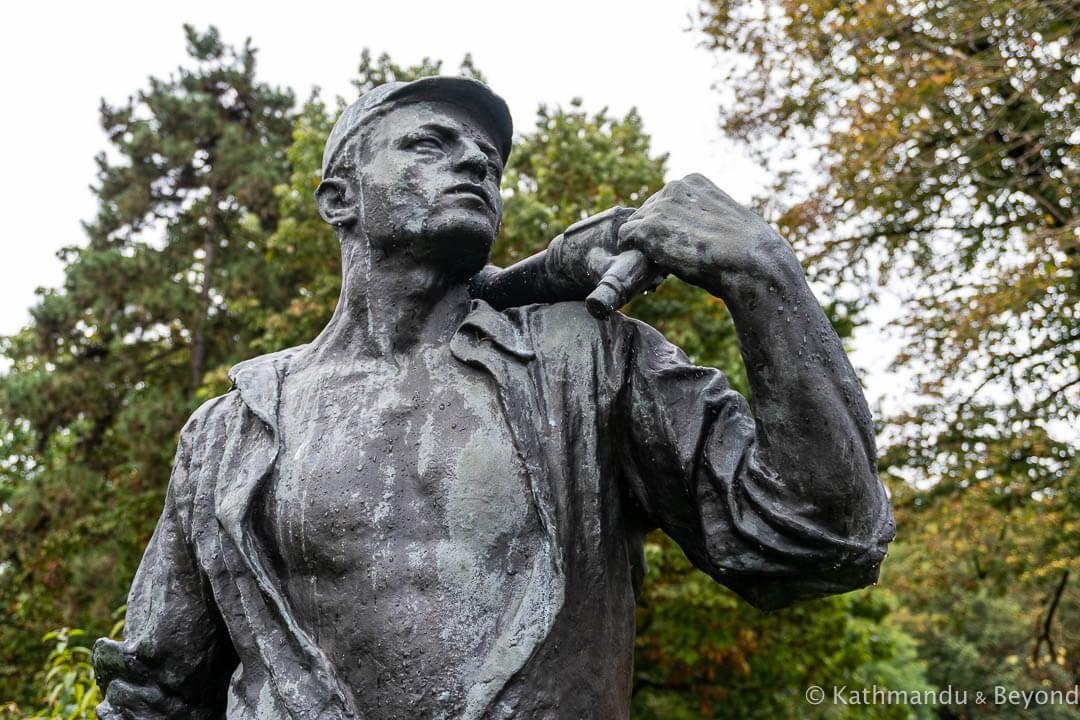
{"type": "Point", "coordinates": [795, 489]}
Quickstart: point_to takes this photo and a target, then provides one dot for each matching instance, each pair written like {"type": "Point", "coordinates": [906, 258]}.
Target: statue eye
{"type": "Point", "coordinates": [426, 142]}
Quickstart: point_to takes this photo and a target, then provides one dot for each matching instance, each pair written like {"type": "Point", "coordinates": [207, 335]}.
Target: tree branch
{"type": "Point", "coordinates": [1044, 636]}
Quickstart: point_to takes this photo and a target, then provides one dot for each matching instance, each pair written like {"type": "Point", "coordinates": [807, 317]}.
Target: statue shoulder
{"type": "Point", "coordinates": [262, 364]}
{"type": "Point", "coordinates": [207, 417]}
{"type": "Point", "coordinates": [569, 331]}
{"type": "Point", "coordinates": [256, 380]}
{"type": "Point", "coordinates": [571, 325]}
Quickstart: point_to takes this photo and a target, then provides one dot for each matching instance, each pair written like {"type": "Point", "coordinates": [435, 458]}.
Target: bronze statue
{"type": "Point", "coordinates": [436, 508]}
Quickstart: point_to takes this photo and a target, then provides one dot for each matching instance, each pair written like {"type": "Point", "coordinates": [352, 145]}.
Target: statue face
{"type": "Point", "coordinates": [429, 182]}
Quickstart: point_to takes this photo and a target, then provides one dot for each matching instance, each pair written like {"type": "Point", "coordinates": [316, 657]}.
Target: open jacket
{"type": "Point", "coordinates": [618, 433]}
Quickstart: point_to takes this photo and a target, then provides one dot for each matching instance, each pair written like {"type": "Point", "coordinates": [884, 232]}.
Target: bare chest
{"type": "Point", "coordinates": [413, 454]}
{"type": "Point", "coordinates": [403, 521]}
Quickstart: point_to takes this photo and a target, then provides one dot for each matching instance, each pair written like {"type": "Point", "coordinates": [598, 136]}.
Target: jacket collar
{"type": "Point", "coordinates": [259, 379]}
{"type": "Point", "coordinates": [498, 328]}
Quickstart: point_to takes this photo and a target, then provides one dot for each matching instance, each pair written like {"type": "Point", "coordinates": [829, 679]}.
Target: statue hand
{"type": "Point", "coordinates": [697, 232]}
{"type": "Point", "coordinates": [587, 259]}
{"type": "Point", "coordinates": [585, 262]}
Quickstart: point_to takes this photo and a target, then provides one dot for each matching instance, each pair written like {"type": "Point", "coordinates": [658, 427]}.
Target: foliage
{"type": "Point", "coordinates": [947, 165]}
{"type": "Point", "coordinates": [703, 653]}
{"type": "Point", "coordinates": [71, 692]}
{"type": "Point", "coordinates": [985, 591]}
{"type": "Point", "coordinates": [948, 154]}
{"type": "Point", "coordinates": [153, 308]}
{"type": "Point", "coordinates": [978, 641]}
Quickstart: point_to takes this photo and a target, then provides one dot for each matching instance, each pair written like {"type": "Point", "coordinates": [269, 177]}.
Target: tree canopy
{"type": "Point", "coordinates": [945, 136]}
{"type": "Point", "coordinates": [947, 157]}
{"type": "Point", "coordinates": [155, 304]}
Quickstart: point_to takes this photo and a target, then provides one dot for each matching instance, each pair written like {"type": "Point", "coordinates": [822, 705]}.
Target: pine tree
{"type": "Point", "coordinates": [155, 305]}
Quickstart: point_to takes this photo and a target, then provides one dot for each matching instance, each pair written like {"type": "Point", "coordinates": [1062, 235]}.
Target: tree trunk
{"type": "Point", "coordinates": [198, 337]}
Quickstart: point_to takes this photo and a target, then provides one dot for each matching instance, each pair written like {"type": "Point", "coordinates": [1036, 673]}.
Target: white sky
{"type": "Point", "coordinates": [58, 61]}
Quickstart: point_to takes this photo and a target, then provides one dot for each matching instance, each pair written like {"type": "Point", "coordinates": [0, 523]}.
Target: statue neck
{"type": "Point", "coordinates": [391, 304]}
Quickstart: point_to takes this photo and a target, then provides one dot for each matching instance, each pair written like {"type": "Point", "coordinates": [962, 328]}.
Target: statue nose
{"type": "Point", "coordinates": [473, 161]}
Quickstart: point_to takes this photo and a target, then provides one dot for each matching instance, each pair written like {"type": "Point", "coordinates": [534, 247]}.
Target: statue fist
{"type": "Point", "coordinates": [697, 232]}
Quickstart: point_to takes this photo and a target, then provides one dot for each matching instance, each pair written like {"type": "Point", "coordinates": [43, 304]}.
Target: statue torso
{"type": "Point", "coordinates": [403, 525]}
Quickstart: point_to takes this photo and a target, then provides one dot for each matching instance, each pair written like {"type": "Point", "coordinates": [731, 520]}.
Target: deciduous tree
{"type": "Point", "coordinates": [947, 160]}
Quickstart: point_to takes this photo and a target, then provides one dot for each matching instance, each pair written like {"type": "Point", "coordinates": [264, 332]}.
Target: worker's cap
{"type": "Point", "coordinates": [474, 96]}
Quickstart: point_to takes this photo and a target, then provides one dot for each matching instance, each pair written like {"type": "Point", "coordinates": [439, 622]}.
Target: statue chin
{"type": "Point", "coordinates": [456, 246]}
{"type": "Point", "coordinates": [462, 248]}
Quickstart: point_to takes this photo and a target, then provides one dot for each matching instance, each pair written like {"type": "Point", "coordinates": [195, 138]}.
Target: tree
{"type": "Point", "coordinates": [703, 653]}
{"type": "Point", "coordinates": [944, 133]}
{"type": "Point", "coordinates": [153, 308]}
{"type": "Point", "coordinates": [947, 151]}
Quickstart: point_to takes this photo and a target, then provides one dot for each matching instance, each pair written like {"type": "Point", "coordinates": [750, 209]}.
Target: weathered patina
{"type": "Point", "coordinates": [436, 508]}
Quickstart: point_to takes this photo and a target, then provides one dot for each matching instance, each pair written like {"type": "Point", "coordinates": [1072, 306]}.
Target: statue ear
{"type": "Point", "coordinates": [336, 205]}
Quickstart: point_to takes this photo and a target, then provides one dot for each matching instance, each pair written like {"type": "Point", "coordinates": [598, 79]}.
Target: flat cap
{"type": "Point", "coordinates": [470, 94]}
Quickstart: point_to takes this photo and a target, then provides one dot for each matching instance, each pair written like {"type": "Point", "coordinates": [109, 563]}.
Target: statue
{"type": "Point", "coordinates": [436, 508]}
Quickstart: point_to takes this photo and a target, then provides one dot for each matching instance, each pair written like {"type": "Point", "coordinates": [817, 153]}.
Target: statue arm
{"type": "Point", "coordinates": [783, 503]}
{"type": "Point", "coordinates": [175, 657]}
{"type": "Point", "coordinates": [779, 508]}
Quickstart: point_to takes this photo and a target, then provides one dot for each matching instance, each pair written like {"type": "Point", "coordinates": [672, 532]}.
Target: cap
{"type": "Point", "coordinates": [470, 94]}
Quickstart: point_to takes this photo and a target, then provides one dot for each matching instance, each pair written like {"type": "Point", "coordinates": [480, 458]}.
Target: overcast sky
{"type": "Point", "coordinates": [59, 61]}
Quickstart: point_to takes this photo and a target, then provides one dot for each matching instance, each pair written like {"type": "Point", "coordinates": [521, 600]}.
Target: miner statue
{"type": "Point", "coordinates": [436, 508]}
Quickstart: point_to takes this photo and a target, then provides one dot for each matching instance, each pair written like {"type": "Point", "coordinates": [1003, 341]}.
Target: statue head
{"type": "Point", "coordinates": [414, 168]}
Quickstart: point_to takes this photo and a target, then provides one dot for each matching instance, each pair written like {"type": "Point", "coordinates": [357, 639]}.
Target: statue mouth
{"type": "Point", "coordinates": [474, 190]}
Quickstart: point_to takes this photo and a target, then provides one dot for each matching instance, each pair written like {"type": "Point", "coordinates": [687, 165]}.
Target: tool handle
{"type": "Point", "coordinates": [628, 275]}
